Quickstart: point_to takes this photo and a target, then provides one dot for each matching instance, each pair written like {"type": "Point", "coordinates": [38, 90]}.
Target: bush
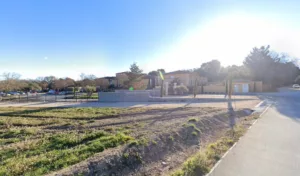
{"type": "Point", "coordinates": [181, 90]}
{"type": "Point", "coordinates": [71, 89]}
{"type": "Point", "coordinates": [171, 89]}
{"type": "Point", "coordinates": [192, 120]}
{"type": "Point", "coordinates": [90, 89]}
{"type": "Point", "coordinates": [111, 86]}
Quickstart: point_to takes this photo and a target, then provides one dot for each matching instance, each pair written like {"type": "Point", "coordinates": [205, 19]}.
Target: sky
{"type": "Point", "coordinates": [65, 38]}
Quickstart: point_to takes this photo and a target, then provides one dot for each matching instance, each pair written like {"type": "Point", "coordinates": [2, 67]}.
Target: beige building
{"type": "Point", "coordinates": [143, 81]}
{"type": "Point", "coordinates": [187, 78]}
{"type": "Point", "coordinates": [245, 86]}
{"type": "Point", "coordinates": [105, 82]}
{"type": "Point", "coordinates": [102, 82]}
{"type": "Point", "coordinates": [239, 86]}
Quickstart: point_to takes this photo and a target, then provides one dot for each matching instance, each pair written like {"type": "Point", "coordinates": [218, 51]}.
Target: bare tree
{"type": "Point", "coordinates": [82, 76]}
{"type": "Point", "coordinates": [40, 79]}
{"type": "Point", "coordinates": [85, 76]}
{"type": "Point", "coordinates": [10, 81]}
{"type": "Point", "coordinates": [50, 80]}
{"type": "Point", "coordinates": [63, 83]}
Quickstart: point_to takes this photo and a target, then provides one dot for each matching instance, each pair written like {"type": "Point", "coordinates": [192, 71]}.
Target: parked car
{"type": "Point", "coordinates": [62, 93]}
{"type": "Point", "coordinates": [51, 92]}
{"type": "Point", "coordinates": [296, 86]}
{"type": "Point", "coordinates": [6, 95]}
{"type": "Point", "coordinates": [22, 93]}
{"type": "Point", "coordinates": [33, 91]}
{"type": "Point", "coordinates": [69, 92]}
{"type": "Point", "coordinates": [13, 93]}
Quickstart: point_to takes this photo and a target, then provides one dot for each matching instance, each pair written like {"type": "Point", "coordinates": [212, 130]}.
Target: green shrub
{"type": "Point", "coordinates": [201, 163]}
{"type": "Point", "coordinates": [171, 138]}
{"type": "Point", "coordinates": [193, 126]}
{"type": "Point", "coordinates": [133, 143]}
{"type": "Point", "coordinates": [126, 155]}
{"type": "Point", "coordinates": [90, 89]}
{"type": "Point", "coordinates": [154, 142]}
{"type": "Point", "coordinates": [182, 89]}
{"type": "Point", "coordinates": [143, 141]}
{"type": "Point", "coordinates": [192, 120]}
{"type": "Point", "coordinates": [194, 133]}
{"type": "Point", "coordinates": [194, 166]}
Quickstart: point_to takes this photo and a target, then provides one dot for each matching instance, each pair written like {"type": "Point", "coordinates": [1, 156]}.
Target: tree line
{"type": "Point", "coordinates": [261, 64]}
{"type": "Point", "coordinates": [12, 82]}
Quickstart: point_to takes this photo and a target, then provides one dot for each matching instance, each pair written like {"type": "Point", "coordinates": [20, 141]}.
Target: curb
{"type": "Point", "coordinates": [260, 103]}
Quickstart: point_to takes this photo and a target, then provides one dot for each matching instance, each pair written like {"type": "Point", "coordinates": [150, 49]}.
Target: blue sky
{"type": "Point", "coordinates": [68, 37]}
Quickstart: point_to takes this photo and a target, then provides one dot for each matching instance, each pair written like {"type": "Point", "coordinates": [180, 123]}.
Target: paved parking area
{"type": "Point", "coordinates": [240, 102]}
{"type": "Point", "coordinates": [214, 96]}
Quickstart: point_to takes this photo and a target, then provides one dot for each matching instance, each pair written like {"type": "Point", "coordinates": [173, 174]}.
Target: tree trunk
{"type": "Point", "coordinates": [231, 113]}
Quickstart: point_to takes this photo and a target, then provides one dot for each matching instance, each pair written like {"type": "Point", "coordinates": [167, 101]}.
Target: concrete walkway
{"type": "Point", "coordinates": [271, 147]}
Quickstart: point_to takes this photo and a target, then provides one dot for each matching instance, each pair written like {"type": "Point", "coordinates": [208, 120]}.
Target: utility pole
{"type": "Point", "coordinates": [195, 88]}
{"type": "Point", "coordinates": [162, 84]}
{"type": "Point", "coordinates": [162, 88]}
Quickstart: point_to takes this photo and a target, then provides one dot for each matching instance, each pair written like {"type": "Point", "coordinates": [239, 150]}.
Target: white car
{"type": "Point", "coordinates": [6, 95]}
{"type": "Point", "coordinates": [296, 86]}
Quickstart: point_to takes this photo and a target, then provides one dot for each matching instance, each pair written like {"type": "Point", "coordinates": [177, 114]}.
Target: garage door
{"type": "Point", "coordinates": [245, 88]}
{"type": "Point", "coordinates": [236, 88]}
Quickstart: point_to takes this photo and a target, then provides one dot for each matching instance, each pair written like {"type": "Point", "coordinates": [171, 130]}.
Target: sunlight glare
{"type": "Point", "coordinates": [228, 39]}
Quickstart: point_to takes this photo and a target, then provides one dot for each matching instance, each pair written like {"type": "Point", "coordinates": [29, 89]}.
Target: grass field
{"type": "Point", "coordinates": [38, 141]}
{"type": "Point", "coordinates": [82, 96]}
{"type": "Point", "coordinates": [86, 96]}
{"type": "Point", "coordinates": [30, 147]}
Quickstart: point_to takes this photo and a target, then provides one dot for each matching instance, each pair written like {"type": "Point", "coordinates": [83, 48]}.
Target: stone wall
{"type": "Point", "coordinates": [110, 97]}
{"type": "Point", "coordinates": [153, 93]}
{"type": "Point", "coordinates": [214, 89]}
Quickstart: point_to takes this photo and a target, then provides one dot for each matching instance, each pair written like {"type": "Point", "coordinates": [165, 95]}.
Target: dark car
{"type": "Point", "coordinates": [13, 93]}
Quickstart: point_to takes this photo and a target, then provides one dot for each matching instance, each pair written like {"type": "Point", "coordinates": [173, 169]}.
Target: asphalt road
{"type": "Point", "coordinates": [272, 146]}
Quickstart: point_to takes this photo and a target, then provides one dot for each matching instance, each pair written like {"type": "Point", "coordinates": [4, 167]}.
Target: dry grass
{"type": "Point", "coordinates": [201, 163]}
{"type": "Point", "coordinates": [28, 148]}
{"type": "Point", "coordinates": [36, 141]}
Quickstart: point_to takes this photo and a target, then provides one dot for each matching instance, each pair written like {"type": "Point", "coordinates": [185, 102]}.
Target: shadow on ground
{"type": "Point", "coordinates": [286, 102]}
